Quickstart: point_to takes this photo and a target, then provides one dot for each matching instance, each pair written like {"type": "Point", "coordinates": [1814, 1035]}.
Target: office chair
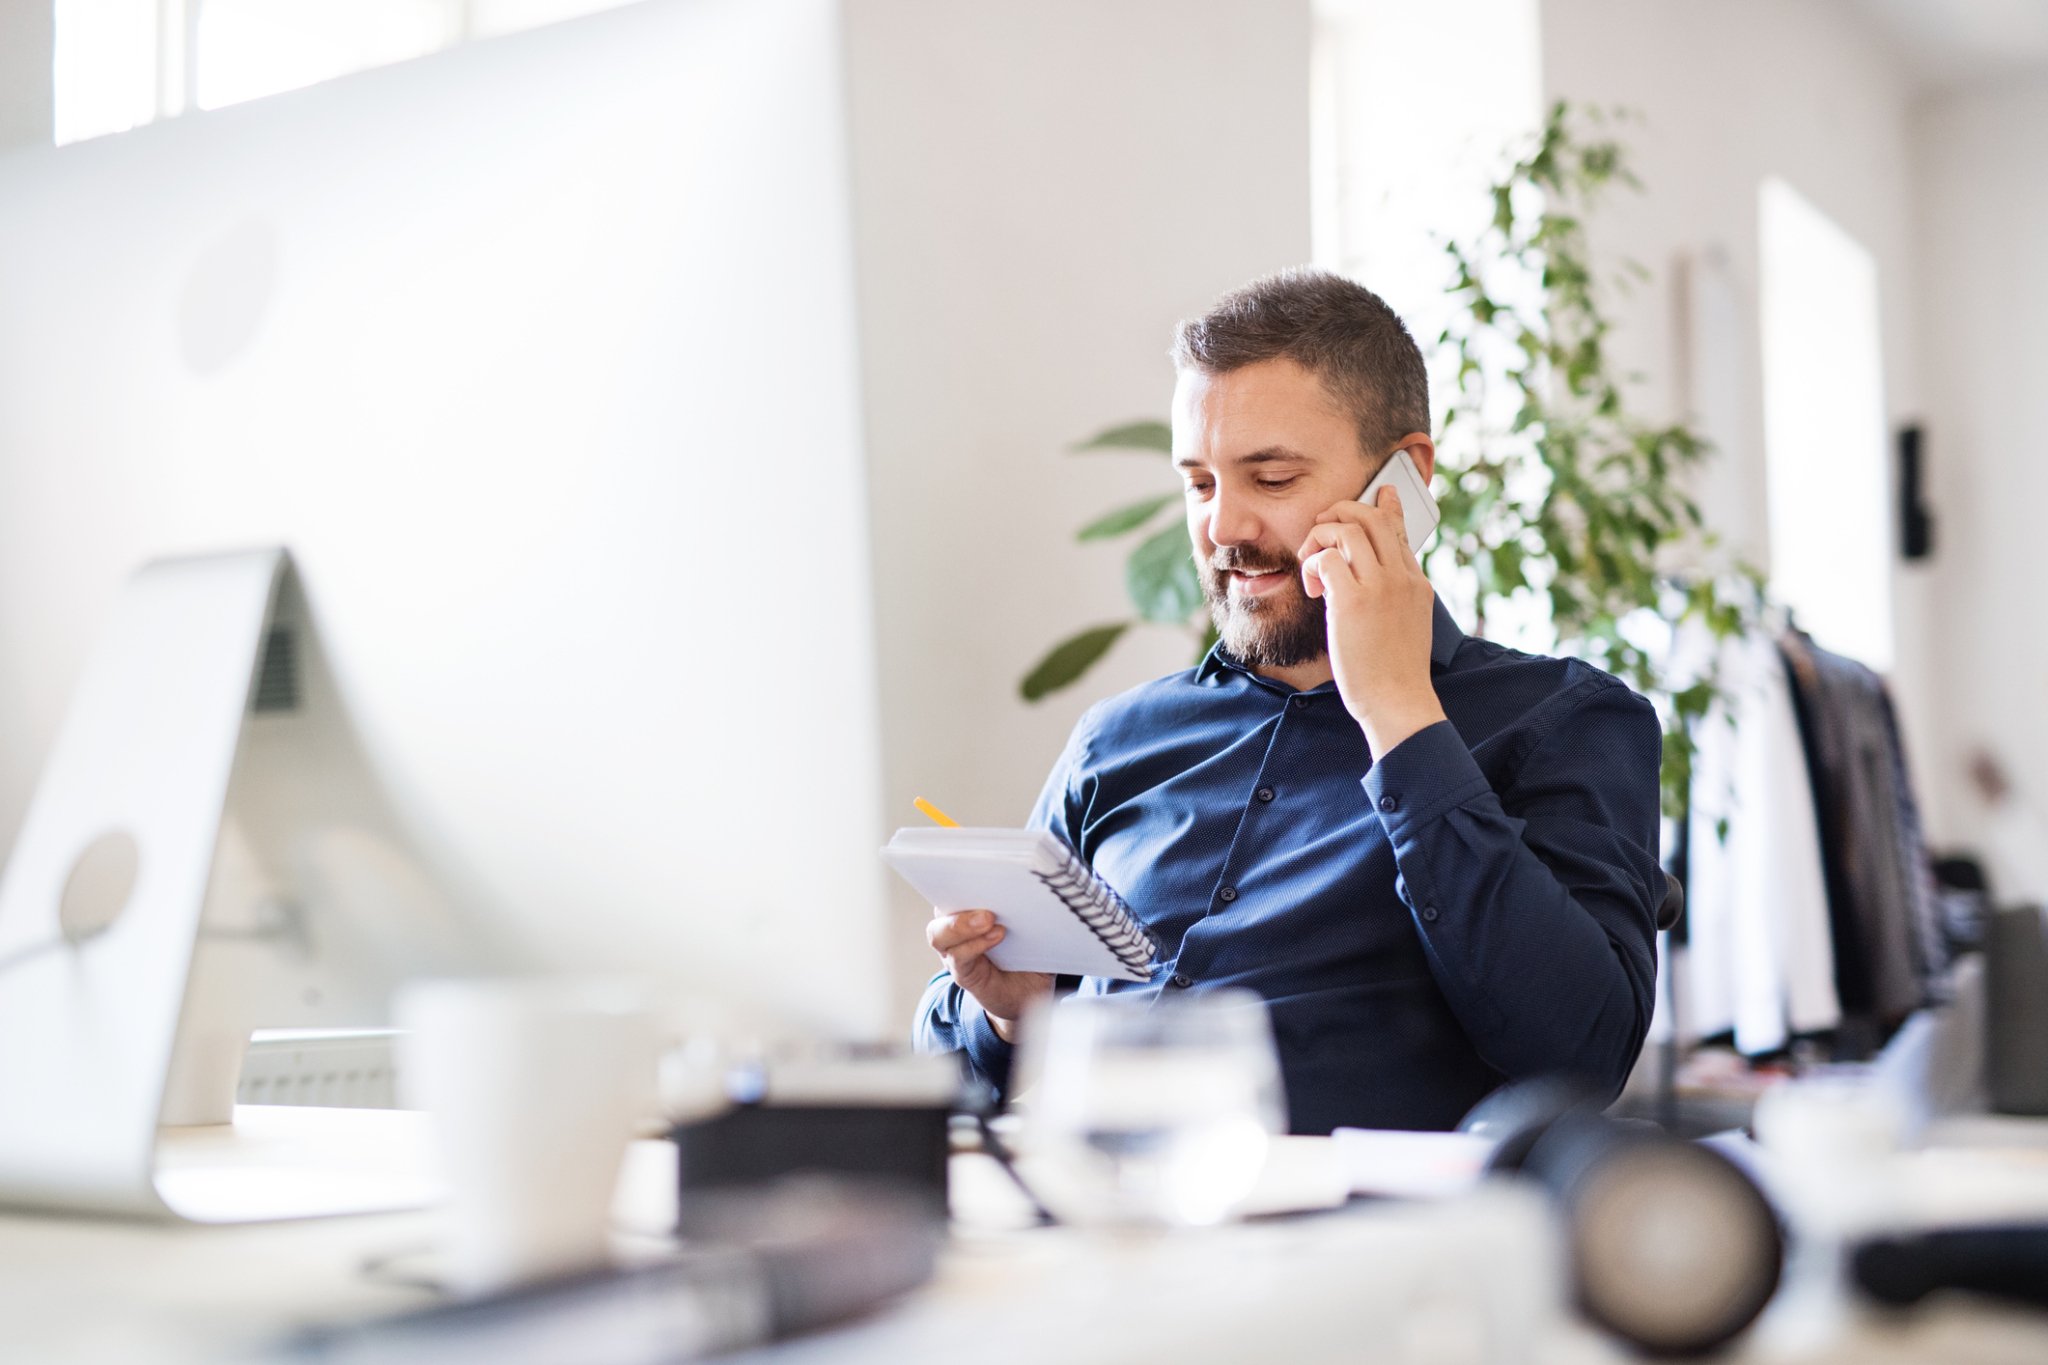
{"type": "Point", "coordinates": [1672, 908]}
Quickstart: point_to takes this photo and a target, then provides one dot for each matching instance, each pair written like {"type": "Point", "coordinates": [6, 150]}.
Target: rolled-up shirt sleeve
{"type": "Point", "coordinates": [1536, 904]}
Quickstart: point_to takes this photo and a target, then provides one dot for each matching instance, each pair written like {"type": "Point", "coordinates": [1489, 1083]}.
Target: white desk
{"type": "Point", "coordinates": [1437, 1283]}
{"type": "Point", "coordinates": [1471, 1280]}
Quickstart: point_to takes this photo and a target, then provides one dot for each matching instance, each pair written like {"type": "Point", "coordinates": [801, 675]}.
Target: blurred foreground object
{"type": "Point", "coordinates": [881, 1119]}
{"type": "Point", "coordinates": [533, 1087]}
{"type": "Point", "coordinates": [2006, 1262]}
{"type": "Point", "coordinates": [1673, 1247]}
{"type": "Point", "coordinates": [1156, 1112]}
{"type": "Point", "coordinates": [792, 1260]}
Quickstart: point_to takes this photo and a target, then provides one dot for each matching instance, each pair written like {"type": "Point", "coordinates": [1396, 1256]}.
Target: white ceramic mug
{"type": "Point", "coordinates": [533, 1086]}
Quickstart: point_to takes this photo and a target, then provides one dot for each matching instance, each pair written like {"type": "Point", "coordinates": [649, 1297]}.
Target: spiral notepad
{"type": "Point", "coordinates": [1058, 915]}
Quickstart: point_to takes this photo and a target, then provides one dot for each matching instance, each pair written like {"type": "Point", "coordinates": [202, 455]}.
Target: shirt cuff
{"type": "Point", "coordinates": [1421, 777]}
{"type": "Point", "coordinates": [985, 1047]}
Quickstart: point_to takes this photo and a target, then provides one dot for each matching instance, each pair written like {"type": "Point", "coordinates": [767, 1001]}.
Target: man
{"type": "Point", "coordinates": [1434, 857]}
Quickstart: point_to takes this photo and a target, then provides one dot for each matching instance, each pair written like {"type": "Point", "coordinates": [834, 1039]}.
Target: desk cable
{"type": "Point", "coordinates": [1000, 1153]}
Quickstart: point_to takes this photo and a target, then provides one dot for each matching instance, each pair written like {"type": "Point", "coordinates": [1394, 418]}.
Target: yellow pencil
{"type": "Point", "coordinates": [937, 816]}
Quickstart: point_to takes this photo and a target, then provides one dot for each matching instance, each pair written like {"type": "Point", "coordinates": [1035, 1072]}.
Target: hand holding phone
{"type": "Point", "coordinates": [1419, 511]}
{"type": "Point", "coordinates": [1380, 615]}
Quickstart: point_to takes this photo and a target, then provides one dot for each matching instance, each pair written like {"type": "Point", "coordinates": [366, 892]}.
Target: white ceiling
{"type": "Point", "coordinates": [1948, 43]}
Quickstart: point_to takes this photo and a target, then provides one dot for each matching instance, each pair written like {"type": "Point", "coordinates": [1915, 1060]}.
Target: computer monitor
{"type": "Point", "coordinates": [539, 355]}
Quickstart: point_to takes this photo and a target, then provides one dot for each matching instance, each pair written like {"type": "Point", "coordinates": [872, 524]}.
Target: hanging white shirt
{"type": "Point", "coordinates": [1761, 959]}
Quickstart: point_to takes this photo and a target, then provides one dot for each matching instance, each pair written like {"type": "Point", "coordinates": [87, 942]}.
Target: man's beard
{"type": "Point", "coordinates": [1280, 629]}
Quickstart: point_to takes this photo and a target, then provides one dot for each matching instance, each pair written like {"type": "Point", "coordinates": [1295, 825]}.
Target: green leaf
{"type": "Point", "coordinates": [1160, 577]}
{"type": "Point", "coordinates": [1125, 519]}
{"type": "Point", "coordinates": [1069, 659]}
{"type": "Point", "coordinates": [1506, 565]}
{"type": "Point", "coordinates": [1132, 436]}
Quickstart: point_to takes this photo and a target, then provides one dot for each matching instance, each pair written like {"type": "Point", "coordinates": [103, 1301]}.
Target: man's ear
{"type": "Point", "coordinates": [1422, 451]}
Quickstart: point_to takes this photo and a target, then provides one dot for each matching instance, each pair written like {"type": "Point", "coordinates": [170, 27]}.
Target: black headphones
{"type": "Point", "coordinates": [1673, 1247]}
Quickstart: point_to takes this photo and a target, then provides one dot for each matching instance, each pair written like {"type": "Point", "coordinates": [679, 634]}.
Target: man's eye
{"type": "Point", "coordinates": [1200, 490]}
{"type": "Point", "coordinates": [1275, 485]}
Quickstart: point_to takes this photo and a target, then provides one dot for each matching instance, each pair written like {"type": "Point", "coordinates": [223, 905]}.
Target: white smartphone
{"type": "Point", "coordinates": [1418, 509]}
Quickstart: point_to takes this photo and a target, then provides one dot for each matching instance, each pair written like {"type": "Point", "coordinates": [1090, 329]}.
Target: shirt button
{"type": "Point", "coordinates": [1183, 982]}
{"type": "Point", "coordinates": [1301, 703]}
{"type": "Point", "coordinates": [1429, 912]}
{"type": "Point", "coordinates": [1390, 804]}
{"type": "Point", "coordinates": [1227, 894]}
{"type": "Point", "coordinates": [1264, 793]}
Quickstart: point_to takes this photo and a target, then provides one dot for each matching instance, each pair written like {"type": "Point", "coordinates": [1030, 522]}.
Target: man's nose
{"type": "Point", "coordinates": [1231, 520]}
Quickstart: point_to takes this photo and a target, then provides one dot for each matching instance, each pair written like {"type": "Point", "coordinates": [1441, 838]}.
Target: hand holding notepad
{"type": "Point", "coordinates": [1057, 915]}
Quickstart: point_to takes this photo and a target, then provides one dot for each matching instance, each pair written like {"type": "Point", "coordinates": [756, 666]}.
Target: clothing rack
{"type": "Point", "coordinates": [1813, 927]}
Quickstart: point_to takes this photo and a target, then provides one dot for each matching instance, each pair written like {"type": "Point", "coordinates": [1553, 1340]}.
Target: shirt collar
{"type": "Point", "coordinates": [1444, 639]}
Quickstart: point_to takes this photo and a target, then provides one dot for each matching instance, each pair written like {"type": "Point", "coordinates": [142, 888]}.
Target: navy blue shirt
{"type": "Point", "coordinates": [1476, 906]}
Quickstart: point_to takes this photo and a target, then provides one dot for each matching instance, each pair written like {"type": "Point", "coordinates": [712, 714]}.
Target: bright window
{"type": "Point", "coordinates": [1825, 454]}
{"type": "Point", "coordinates": [246, 49]}
{"type": "Point", "coordinates": [104, 72]}
{"type": "Point", "coordinates": [123, 63]}
{"type": "Point", "coordinates": [1397, 168]}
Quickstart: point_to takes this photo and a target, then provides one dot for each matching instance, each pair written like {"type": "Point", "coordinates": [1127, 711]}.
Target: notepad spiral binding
{"type": "Point", "coordinates": [1096, 904]}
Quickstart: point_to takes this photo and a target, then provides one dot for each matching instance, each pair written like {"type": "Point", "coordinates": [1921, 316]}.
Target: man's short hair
{"type": "Point", "coordinates": [1338, 330]}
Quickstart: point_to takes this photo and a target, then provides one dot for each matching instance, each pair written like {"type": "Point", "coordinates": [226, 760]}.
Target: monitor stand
{"type": "Point", "coordinates": [148, 919]}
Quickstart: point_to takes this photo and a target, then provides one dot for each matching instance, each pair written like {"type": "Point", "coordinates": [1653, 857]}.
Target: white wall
{"type": "Point", "coordinates": [1733, 91]}
{"type": "Point", "coordinates": [1982, 161]}
{"type": "Point", "coordinates": [1041, 191]}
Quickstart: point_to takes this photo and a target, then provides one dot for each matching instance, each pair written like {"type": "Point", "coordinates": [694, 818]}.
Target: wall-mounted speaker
{"type": "Point", "coordinates": [1916, 519]}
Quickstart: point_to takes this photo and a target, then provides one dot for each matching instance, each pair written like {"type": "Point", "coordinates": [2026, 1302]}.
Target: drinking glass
{"type": "Point", "coordinates": [1153, 1112]}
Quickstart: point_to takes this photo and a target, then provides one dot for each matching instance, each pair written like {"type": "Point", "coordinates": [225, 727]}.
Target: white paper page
{"type": "Point", "coordinates": [989, 869]}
